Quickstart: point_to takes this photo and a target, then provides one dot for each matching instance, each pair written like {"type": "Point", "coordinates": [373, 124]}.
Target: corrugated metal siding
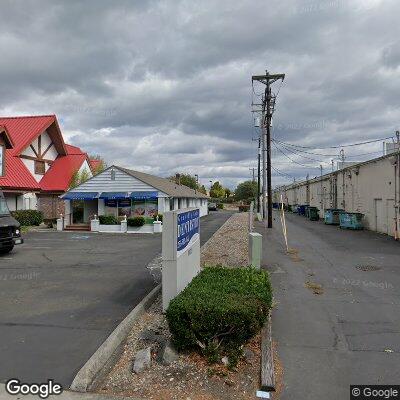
{"type": "Point", "coordinates": [122, 183]}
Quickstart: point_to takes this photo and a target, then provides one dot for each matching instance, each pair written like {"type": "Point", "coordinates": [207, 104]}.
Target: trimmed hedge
{"type": "Point", "coordinates": [220, 310]}
{"type": "Point", "coordinates": [28, 217]}
{"type": "Point", "coordinates": [136, 221]}
{"type": "Point", "coordinates": [108, 220]}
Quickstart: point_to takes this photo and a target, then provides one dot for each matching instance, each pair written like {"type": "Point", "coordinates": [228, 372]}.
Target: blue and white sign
{"type": "Point", "coordinates": [188, 224]}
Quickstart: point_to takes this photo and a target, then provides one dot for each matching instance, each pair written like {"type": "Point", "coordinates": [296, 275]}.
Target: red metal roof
{"type": "Point", "coordinates": [58, 177]}
{"type": "Point", "coordinates": [94, 164]}
{"type": "Point", "coordinates": [22, 131]}
{"type": "Point", "coordinates": [17, 174]}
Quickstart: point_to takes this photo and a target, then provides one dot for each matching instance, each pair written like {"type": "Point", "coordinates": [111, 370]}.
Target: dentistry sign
{"type": "Point", "coordinates": [188, 224]}
{"type": "Point", "coordinates": [180, 251]}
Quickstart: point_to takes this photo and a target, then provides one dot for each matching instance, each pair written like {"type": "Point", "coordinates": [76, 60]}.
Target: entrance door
{"type": "Point", "coordinates": [390, 217]}
{"type": "Point", "coordinates": [379, 217]}
{"type": "Point", "coordinates": [77, 211]}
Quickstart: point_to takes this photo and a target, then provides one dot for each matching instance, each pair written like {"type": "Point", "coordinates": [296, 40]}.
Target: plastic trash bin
{"type": "Point", "coordinates": [313, 214]}
{"type": "Point", "coordinates": [331, 216]}
{"type": "Point", "coordinates": [301, 210]}
{"type": "Point", "coordinates": [351, 220]}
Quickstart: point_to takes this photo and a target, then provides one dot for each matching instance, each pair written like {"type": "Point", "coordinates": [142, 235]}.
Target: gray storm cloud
{"type": "Point", "coordinates": [164, 86]}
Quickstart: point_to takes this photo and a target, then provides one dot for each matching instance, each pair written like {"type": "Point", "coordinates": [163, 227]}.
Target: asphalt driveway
{"type": "Point", "coordinates": [62, 294]}
{"type": "Point", "coordinates": [349, 333]}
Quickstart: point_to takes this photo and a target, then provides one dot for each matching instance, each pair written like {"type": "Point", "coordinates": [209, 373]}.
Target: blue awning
{"type": "Point", "coordinates": [114, 195]}
{"type": "Point", "coordinates": [80, 195]}
{"type": "Point", "coordinates": [144, 195]}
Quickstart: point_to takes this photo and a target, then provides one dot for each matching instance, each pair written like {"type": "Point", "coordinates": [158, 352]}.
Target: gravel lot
{"type": "Point", "coordinates": [229, 245]}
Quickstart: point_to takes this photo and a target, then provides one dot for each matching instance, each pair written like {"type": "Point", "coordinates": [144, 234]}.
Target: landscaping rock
{"type": "Point", "coordinates": [225, 361]}
{"type": "Point", "coordinates": [142, 360]}
{"type": "Point", "coordinates": [168, 354]}
{"type": "Point", "coordinates": [248, 355]}
{"type": "Point", "coordinates": [151, 336]}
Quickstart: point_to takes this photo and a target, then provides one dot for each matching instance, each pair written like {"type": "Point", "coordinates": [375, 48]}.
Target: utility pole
{"type": "Point", "coordinates": [258, 172]}
{"type": "Point", "coordinates": [322, 200]}
{"type": "Point", "coordinates": [268, 105]}
{"type": "Point", "coordinates": [253, 173]}
{"type": "Point", "coordinates": [259, 176]}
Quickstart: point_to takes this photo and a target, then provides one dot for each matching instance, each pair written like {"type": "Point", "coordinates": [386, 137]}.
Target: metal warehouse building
{"type": "Point", "coordinates": [371, 188]}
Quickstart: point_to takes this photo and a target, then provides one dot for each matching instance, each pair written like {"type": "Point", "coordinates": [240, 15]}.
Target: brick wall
{"type": "Point", "coordinates": [50, 205]}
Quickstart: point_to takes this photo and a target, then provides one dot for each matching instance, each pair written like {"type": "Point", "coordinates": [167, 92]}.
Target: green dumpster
{"type": "Point", "coordinates": [313, 214]}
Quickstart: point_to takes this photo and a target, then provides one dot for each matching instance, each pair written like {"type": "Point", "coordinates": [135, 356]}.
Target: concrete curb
{"type": "Point", "coordinates": [96, 363]}
{"type": "Point", "coordinates": [87, 374]}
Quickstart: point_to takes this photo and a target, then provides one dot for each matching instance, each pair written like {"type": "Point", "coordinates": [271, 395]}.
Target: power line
{"type": "Point", "coordinates": [339, 146]}
{"type": "Point", "coordinates": [284, 174]}
{"type": "Point", "coordinates": [291, 159]}
{"type": "Point", "coordinates": [286, 146]}
{"type": "Point", "coordinates": [304, 151]}
{"type": "Point", "coordinates": [298, 153]}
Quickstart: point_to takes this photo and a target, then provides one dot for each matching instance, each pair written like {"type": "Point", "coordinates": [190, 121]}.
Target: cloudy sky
{"type": "Point", "coordinates": [165, 86]}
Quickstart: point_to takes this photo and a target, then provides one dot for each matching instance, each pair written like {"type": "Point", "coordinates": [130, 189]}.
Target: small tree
{"type": "Point", "coordinates": [79, 177]}
{"type": "Point", "coordinates": [227, 192]}
{"type": "Point", "coordinates": [217, 190]}
{"type": "Point", "coordinates": [202, 189]}
{"type": "Point", "coordinates": [100, 166]}
{"type": "Point", "coordinates": [189, 181]}
{"type": "Point", "coordinates": [246, 191]}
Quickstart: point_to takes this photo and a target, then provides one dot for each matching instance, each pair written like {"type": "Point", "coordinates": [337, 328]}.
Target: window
{"type": "Point", "coordinates": [2, 161]}
{"type": "Point", "coordinates": [145, 208]}
{"type": "Point", "coordinates": [171, 204]}
{"type": "Point", "coordinates": [3, 207]}
{"type": "Point", "coordinates": [40, 167]}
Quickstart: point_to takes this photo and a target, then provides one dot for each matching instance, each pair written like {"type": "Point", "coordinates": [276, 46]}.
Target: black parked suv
{"type": "Point", "coordinates": [10, 234]}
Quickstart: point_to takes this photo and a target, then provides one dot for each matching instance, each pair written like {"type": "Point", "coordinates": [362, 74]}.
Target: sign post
{"type": "Point", "coordinates": [180, 251]}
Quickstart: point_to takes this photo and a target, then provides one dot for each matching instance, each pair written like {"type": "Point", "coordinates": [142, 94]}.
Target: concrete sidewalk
{"type": "Point", "coordinates": [349, 334]}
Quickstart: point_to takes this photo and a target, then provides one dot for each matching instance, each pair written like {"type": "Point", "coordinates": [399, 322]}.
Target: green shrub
{"type": "Point", "coordinates": [220, 310]}
{"type": "Point", "coordinates": [136, 221]}
{"type": "Point", "coordinates": [220, 206]}
{"type": "Point", "coordinates": [108, 220]}
{"type": "Point", "coordinates": [28, 217]}
{"type": "Point", "coordinates": [160, 217]}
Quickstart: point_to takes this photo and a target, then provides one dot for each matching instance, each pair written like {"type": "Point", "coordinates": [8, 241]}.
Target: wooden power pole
{"type": "Point", "coordinates": [268, 106]}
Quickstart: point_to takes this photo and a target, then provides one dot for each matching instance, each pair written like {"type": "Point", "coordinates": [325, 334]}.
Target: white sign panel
{"type": "Point", "coordinates": [180, 251]}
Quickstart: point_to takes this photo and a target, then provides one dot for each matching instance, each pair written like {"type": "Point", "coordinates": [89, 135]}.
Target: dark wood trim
{"type": "Point", "coordinates": [47, 149]}
{"type": "Point", "coordinates": [33, 149]}
{"type": "Point", "coordinates": [40, 145]}
{"type": "Point", "coordinates": [19, 190]}
{"type": "Point", "coordinates": [3, 169]}
{"type": "Point", "coordinates": [36, 158]}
